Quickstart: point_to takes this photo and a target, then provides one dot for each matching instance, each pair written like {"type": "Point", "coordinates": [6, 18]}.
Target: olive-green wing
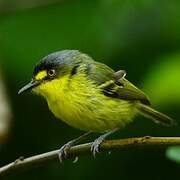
{"type": "Point", "coordinates": [113, 84]}
{"type": "Point", "coordinates": [99, 73]}
{"type": "Point", "coordinates": [123, 89]}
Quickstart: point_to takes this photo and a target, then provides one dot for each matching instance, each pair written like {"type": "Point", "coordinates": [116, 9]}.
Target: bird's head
{"type": "Point", "coordinates": [53, 68]}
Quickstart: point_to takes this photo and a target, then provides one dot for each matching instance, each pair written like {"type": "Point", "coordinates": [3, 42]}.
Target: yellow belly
{"type": "Point", "coordinates": [100, 118]}
{"type": "Point", "coordinates": [83, 106]}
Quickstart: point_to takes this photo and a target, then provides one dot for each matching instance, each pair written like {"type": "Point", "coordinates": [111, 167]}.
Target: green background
{"type": "Point", "coordinates": [142, 37]}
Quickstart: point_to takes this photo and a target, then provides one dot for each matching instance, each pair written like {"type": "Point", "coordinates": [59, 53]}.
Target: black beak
{"type": "Point", "coordinates": [29, 86]}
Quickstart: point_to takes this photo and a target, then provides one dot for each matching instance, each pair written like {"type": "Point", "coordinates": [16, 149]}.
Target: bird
{"type": "Point", "coordinates": [90, 96]}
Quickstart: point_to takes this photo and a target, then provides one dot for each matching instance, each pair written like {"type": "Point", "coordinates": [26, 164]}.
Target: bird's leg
{"type": "Point", "coordinates": [63, 152]}
{"type": "Point", "coordinates": [120, 74]}
{"type": "Point", "coordinates": [96, 144]}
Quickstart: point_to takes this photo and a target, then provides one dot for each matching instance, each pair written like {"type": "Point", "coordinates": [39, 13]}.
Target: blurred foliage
{"type": "Point", "coordinates": [5, 112]}
{"type": "Point", "coordinates": [142, 37]}
{"type": "Point", "coordinates": [7, 6]}
{"type": "Point", "coordinates": [173, 153]}
{"type": "Point", "coordinates": [162, 84]}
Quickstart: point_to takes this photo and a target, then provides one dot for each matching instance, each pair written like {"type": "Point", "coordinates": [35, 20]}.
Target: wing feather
{"type": "Point", "coordinates": [123, 89]}
{"type": "Point", "coordinates": [114, 84]}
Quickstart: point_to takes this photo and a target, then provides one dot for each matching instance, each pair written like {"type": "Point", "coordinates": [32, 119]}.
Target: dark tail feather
{"type": "Point", "coordinates": [156, 116]}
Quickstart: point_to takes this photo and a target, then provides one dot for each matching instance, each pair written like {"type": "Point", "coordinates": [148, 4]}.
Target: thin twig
{"type": "Point", "coordinates": [49, 157]}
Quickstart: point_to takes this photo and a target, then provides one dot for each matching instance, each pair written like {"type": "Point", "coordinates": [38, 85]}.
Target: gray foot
{"type": "Point", "coordinates": [64, 150]}
{"type": "Point", "coordinates": [96, 145]}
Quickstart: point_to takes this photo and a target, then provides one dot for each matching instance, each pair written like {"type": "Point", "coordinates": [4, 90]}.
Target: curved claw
{"type": "Point", "coordinates": [63, 152]}
{"type": "Point", "coordinates": [95, 146]}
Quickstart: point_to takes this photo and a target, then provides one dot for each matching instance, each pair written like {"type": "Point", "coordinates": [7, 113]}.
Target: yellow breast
{"type": "Point", "coordinates": [79, 103]}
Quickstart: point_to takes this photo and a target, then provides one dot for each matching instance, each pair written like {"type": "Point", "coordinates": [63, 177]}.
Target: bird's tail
{"type": "Point", "coordinates": [154, 115]}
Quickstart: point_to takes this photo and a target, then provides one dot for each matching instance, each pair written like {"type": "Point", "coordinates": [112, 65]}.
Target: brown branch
{"type": "Point", "coordinates": [46, 158]}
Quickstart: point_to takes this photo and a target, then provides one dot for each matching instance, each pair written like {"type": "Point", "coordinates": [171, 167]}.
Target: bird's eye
{"type": "Point", "coordinates": [51, 73]}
